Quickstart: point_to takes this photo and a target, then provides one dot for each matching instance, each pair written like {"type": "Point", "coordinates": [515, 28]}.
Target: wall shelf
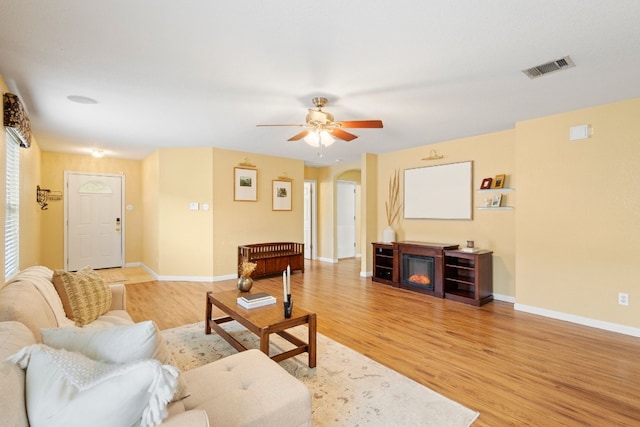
{"type": "Point", "coordinates": [496, 208]}
{"type": "Point", "coordinates": [495, 190]}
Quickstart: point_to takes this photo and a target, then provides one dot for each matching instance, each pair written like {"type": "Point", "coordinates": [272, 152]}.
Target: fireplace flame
{"type": "Point", "coordinates": [420, 278]}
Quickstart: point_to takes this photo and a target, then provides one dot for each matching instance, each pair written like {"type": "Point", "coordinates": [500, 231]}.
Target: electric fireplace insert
{"type": "Point", "coordinates": [418, 271]}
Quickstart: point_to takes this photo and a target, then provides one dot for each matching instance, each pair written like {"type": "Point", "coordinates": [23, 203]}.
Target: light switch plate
{"type": "Point", "coordinates": [194, 206]}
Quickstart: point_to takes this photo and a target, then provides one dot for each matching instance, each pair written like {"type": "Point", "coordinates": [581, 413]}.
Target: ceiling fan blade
{"type": "Point", "coordinates": [297, 125]}
{"type": "Point", "coordinates": [361, 123]}
{"type": "Point", "coordinates": [345, 136]}
{"type": "Point", "coordinates": [299, 135]}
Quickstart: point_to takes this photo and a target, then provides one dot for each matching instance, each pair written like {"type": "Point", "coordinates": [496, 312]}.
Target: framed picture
{"type": "Point", "coordinates": [495, 202]}
{"type": "Point", "coordinates": [486, 184]}
{"type": "Point", "coordinates": [245, 185]}
{"type": "Point", "coordinates": [498, 182]}
{"type": "Point", "coordinates": [281, 195]}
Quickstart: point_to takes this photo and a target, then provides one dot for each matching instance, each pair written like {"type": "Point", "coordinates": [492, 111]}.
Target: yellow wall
{"type": "Point", "coordinates": [578, 212]}
{"type": "Point", "coordinates": [151, 224]}
{"type": "Point", "coordinates": [369, 177]}
{"type": "Point", "coordinates": [492, 154]}
{"type": "Point", "coordinates": [185, 236]}
{"type": "Point", "coordinates": [241, 222]}
{"type": "Point", "coordinates": [53, 166]}
{"type": "Point", "coordinates": [203, 244]}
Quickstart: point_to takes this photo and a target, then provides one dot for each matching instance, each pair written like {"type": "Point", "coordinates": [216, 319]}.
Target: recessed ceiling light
{"type": "Point", "coordinates": [81, 99]}
{"type": "Point", "coordinates": [97, 153]}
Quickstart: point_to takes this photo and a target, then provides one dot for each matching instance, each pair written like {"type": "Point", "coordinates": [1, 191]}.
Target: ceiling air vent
{"type": "Point", "coordinates": [549, 67]}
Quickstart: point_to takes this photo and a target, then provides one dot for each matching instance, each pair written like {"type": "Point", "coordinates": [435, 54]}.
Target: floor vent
{"type": "Point", "coordinates": [549, 67]}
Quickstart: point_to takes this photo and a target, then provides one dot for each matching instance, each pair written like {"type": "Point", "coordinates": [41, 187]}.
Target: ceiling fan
{"type": "Point", "coordinates": [320, 124]}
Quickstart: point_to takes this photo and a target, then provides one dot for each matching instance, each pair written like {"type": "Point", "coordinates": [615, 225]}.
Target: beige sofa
{"type": "Point", "coordinates": [245, 389]}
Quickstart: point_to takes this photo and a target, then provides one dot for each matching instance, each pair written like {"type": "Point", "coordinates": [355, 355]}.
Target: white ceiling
{"type": "Point", "coordinates": [200, 73]}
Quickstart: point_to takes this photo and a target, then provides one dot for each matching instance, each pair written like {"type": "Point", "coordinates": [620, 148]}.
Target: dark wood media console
{"type": "Point", "coordinates": [435, 269]}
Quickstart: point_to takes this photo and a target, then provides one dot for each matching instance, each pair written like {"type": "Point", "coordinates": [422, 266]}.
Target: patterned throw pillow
{"type": "Point", "coordinates": [85, 295]}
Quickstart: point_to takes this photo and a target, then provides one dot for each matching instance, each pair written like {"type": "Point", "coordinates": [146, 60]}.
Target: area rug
{"type": "Point", "coordinates": [348, 388]}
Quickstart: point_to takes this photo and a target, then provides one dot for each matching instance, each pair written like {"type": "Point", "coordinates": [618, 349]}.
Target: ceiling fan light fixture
{"type": "Point", "coordinates": [318, 137]}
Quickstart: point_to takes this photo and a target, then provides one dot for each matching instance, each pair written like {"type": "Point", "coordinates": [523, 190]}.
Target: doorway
{"type": "Point", "coordinates": [346, 219]}
{"type": "Point", "coordinates": [310, 222]}
{"type": "Point", "coordinates": [94, 222]}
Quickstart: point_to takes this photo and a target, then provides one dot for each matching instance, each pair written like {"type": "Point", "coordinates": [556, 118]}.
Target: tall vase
{"type": "Point", "coordinates": [388, 235]}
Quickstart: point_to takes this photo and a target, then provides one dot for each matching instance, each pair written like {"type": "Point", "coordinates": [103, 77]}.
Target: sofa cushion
{"type": "Point", "coordinates": [85, 295]}
{"type": "Point", "coordinates": [22, 302]}
{"type": "Point", "coordinates": [13, 337]}
{"type": "Point", "coordinates": [116, 344]}
{"type": "Point", "coordinates": [69, 389]}
{"type": "Point", "coordinates": [252, 380]}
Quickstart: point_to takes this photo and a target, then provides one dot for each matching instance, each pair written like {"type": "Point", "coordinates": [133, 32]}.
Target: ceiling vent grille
{"type": "Point", "coordinates": [549, 67]}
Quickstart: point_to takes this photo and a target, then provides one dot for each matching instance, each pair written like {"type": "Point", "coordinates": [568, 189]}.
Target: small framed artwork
{"type": "Point", "coordinates": [498, 182]}
{"type": "Point", "coordinates": [245, 185]}
{"type": "Point", "coordinates": [495, 202]}
{"type": "Point", "coordinates": [486, 184]}
{"type": "Point", "coordinates": [281, 195]}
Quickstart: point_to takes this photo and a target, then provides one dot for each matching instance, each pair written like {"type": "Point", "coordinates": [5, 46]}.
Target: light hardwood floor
{"type": "Point", "coordinates": [514, 368]}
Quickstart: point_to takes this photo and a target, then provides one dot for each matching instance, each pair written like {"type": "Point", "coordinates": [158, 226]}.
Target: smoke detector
{"type": "Point", "coordinates": [549, 67]}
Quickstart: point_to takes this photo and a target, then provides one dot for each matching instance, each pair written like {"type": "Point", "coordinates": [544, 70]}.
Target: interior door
{"type": "Point", "coordinates": [346, 219]}
{"type": "Point", "coordinates": [94, 226]}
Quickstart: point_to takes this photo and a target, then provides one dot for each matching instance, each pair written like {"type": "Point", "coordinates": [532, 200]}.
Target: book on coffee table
{"type": "Point", "coordinates": [256, 300]}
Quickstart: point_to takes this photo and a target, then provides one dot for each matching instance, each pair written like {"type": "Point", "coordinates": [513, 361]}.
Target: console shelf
{"type": "Point", "coordinates": [469, 276]}
{"type": "Point", "coordinates": [383, 259]}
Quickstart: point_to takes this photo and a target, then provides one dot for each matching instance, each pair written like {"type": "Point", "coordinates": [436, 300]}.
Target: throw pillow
{"type": "Point", "coordinates": [116, 344]}
{"type": "Point", "coordinates": [85, 295]}
{"type": "Point", "coordinates": [69, 389]}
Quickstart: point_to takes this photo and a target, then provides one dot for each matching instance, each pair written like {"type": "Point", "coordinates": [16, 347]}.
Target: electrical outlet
{"type": "Point", "coordinates": [623, 299]}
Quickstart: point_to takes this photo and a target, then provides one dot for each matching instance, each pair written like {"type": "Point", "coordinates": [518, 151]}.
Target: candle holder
{"type": "Point", "coordinates": [288, 307]}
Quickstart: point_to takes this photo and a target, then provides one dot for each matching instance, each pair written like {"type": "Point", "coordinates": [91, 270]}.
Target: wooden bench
{"type": "Point", "coordinates": [272, 258]}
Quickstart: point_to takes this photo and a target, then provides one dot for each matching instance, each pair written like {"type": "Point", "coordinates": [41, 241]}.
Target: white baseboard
{"type": "Point", "coordinates": [607, 326]}
{"type": "Point", "coordinates": [332, 261]}
{"type": "Point", "coordinates": [197, 278]}
{"type": "Point", "coordinates": [366, 273]}
{"type": "Point", "coordinates": [188, 278]}
{"type": "Point", "coordinates": [504, 298]}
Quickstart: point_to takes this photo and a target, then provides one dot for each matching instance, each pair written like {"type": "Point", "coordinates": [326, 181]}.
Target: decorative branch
{"type": "Point", "coordinates": [246, 268]}
{"type": "Point", "coordinates": [393, 205]}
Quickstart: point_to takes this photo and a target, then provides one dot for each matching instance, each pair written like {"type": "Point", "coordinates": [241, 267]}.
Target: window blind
{"type": "Point", "coordinates": [12, 209]}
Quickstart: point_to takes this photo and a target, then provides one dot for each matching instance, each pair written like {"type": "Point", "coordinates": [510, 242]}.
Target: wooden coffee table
{"type": "Point", "coordinates": [262, 321]}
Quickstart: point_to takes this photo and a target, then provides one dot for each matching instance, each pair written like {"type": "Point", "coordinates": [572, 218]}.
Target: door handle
{"type": "Point", "coordinates": [117, 224]}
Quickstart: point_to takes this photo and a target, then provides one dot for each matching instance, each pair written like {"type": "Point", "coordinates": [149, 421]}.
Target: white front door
{"type": "Point", "coordinates": [346, 219]}
{"type": "Point", "coordinates": [94, 226]}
